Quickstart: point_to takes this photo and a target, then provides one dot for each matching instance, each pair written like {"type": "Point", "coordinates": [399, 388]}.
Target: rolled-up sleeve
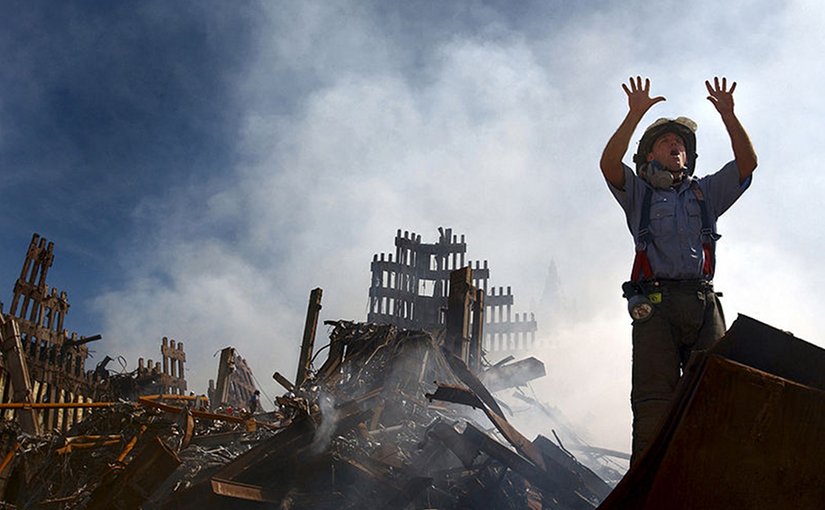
{"type": "Point", "coordinates": [632, 192]}
{"type": "Point", "coordinates": [723, 188]}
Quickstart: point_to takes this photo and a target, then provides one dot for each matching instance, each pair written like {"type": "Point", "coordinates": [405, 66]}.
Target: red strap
{"type": "Point", "coordinates": [641, 264]}
{"type": "Point", "coordinates": [707, 267]}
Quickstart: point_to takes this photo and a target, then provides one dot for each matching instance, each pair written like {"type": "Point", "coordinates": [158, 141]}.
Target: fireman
{"type": "Point", "coordinates": [671, 215]}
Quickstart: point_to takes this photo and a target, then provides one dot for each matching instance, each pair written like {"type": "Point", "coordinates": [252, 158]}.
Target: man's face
{"type": "Point", "coordinates": [669, 150]}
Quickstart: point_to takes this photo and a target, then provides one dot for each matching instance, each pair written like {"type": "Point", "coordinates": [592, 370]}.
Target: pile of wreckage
{"type": "Point", "coordinates": [393, 417]}
{"type": "Point", "coordinates": [390, 419]}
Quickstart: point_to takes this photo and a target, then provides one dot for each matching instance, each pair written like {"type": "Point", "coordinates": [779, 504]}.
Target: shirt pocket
{"type": "Point", "coordinates": [694, 215]}
{"type": "Point", "coordinates": [662, 216]}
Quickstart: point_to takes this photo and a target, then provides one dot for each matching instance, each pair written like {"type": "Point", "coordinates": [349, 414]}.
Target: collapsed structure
{"type": "Point", "coordinates": [410, 289]}
{"type": "Point", "coordinates": [50, 366]}
{"type": "Point", "coordinates": [394, 415]}
{"type": "Point", "coordinates": [385, 422]}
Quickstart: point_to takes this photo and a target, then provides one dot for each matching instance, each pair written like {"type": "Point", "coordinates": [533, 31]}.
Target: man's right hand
{"type": "Point", "coordinates": [638, 96]}
{"type": "Point", "coordinates": [639, 102]}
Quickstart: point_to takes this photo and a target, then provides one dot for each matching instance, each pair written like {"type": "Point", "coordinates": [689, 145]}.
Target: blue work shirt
{"type": "Point", "coordinates": [676, 219]}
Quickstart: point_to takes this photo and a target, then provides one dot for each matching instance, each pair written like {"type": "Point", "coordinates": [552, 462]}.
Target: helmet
{"type": "Point", "coordinates": [682, 126]}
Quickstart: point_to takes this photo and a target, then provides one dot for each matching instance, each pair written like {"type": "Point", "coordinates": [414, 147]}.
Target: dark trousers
{"type": "Point", "coordinates": [688, 318]}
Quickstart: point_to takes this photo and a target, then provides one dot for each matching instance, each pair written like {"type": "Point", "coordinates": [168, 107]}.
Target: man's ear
{"type": "Point", "coordinates": [649, 157]}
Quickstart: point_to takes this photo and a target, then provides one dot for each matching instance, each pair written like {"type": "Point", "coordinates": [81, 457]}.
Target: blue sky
{"type": "Point", "coordinates": [202, 165]}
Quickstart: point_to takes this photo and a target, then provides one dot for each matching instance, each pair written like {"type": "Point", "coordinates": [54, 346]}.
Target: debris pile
{"type": "Point", "coordinates": [392, 419]}
{"type": "Point", "coordinates": [120, 455]}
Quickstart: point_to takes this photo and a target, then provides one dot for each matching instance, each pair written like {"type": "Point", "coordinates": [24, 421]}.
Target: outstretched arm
{"type": "Point", "coordinates": [639, 102]}
{"type": "Point", "coordinates": [743, 152]}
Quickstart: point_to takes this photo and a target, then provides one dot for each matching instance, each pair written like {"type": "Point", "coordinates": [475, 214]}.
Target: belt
{"type": "Point", "coordinates": [692, 284]}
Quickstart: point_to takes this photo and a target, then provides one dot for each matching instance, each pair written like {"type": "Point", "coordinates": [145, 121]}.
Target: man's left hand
{"type": "Point", "coordinates": [720, 96]}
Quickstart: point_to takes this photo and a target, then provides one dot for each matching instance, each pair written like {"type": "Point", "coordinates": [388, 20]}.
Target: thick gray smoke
{"type": "Point", "coordinates": [494, 128]}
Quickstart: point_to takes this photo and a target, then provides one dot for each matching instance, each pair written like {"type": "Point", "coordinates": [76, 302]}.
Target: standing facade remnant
{"type": "Point", "coordinates": [167, 375]}
{"type": "Point", "coordinates": [56, 359]}
{"type": "Point", "coordinates": [465, 318]}
{"type": "Point", "coordinates": [411, 288]}
{"type": "Point", "coordinates": [235, 384]}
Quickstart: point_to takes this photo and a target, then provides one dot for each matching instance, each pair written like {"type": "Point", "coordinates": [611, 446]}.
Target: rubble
{"type": "Point", "coordinates": [360, 429]}
{"type": "Point", "coordinates": [392, 417]}
{"type": "Point", "coordinates": [363, 432]}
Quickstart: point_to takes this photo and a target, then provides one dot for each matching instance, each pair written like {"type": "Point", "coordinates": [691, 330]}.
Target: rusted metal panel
{"type": "Point", "coordinates": [748, 440]}
{"type": "Point", "coordinates": [758, 345]}
{"type": "Point", "coordinates": [738, 436]}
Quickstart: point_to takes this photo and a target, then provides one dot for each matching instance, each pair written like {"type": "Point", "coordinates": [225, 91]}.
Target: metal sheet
{"type": "Point", "coordinates": [736, 436]}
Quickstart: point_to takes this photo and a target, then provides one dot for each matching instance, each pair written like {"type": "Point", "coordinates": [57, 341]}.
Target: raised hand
{"type": "Point", "coordinates": [638, 95]}
{"type": "Point", "coordinates": [720, 96]}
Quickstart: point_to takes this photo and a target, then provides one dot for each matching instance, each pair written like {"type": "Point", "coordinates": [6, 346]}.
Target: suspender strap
{"type": "Point", "coordinates": [644, 236]}
{"type": "Point", "coordinates": [641, 264]}
{"type": "Point", "coordinates": [709, 237]}
{"type": "Point", "coordinates": [641, 267]}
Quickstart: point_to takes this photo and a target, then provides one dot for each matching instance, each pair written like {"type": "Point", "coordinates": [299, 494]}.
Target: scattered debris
{"type": "Point", "coordinates": [374, 426]}
{"type": "Point", "coordinates": [393, 417]}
